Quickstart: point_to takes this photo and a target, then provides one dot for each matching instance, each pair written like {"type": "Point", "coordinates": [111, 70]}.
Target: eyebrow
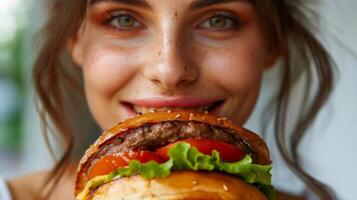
{"type": "Point", "coordinates": [138, 3]}
{"type": "Point", "coordinates": [205, 3]}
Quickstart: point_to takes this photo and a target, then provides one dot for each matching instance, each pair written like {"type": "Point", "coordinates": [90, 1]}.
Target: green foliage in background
{"type": "Point", "coordinates": [12, 74]}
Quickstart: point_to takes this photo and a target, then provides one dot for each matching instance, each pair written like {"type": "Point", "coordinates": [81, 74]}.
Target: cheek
{"type": "Point", "coordinates": [237, 64]}
{"type": "Point", "coordinates": [106, 68]}
{"type": "Point", "coordinates": [237, 70]}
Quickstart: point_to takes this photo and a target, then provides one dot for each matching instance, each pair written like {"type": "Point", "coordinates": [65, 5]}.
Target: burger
{"type": "Point", "coordinates": [175, 155]}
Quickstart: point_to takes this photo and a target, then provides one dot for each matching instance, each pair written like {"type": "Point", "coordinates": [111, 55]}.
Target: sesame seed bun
{"type": "Point", "coordinates": [214, 180]}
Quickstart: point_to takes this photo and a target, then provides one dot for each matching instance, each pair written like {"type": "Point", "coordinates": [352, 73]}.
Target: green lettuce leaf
{"type": "Point", "coordinates": [150, 169]}
{"type": "Point", "coordinates": [184, 157]}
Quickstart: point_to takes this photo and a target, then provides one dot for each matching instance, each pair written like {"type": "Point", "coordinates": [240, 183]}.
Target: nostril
{"type": "Point", "coordinates": [182, 82]}
{"type": "Point", "coordinates": [155, 81]}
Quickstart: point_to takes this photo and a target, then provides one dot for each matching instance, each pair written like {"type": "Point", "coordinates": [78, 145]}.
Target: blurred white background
{"type": "Point", "coordinates": [328, 150]}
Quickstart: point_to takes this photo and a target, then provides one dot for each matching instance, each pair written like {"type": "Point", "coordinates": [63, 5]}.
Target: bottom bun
{"type": "Point", "coordinates": [179, 185]}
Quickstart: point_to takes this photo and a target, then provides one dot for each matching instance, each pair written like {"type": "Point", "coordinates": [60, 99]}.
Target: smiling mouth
{"type": "Point", "coordinates": [137, 109]}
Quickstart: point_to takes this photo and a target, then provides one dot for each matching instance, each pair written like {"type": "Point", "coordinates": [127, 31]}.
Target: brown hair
{"type": "Point", "coordinates": [288, 30]}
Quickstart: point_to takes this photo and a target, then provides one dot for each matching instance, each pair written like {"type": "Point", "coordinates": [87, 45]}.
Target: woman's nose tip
{"type": "Point", "coordinates": [171, 76]}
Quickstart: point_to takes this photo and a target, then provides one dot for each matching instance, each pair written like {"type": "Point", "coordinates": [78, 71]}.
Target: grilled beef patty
{"type": "Point", "coordinates": [153, 136]}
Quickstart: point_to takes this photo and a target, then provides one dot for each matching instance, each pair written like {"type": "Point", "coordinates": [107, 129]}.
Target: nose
{"type": "Point", "coordinates": [171, 66]}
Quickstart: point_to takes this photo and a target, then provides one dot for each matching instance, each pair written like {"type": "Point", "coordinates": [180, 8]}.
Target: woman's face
{"type": "Point", "coordinates": [139, 55]}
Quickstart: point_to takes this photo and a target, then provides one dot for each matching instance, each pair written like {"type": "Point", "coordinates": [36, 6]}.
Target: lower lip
{"type": "Point", "coordinates": [131, 112]}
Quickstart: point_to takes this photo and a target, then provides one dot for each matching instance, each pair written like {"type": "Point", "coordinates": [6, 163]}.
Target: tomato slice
{"type": "Point", "coordinates": [110, 163]}
{"type": "Point", "coordinates": [228, 152]}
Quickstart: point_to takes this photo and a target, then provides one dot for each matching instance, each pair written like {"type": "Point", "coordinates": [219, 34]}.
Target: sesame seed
{"type": "Point", "coordinates": [177, 116]}
{"type": "Point", "coordinates": [194, 182]}
{"type": "Point", "coordinates": [225, 187]}
{"type": "Point", "coordinates": [169, 111]}
{"type": "Point", "coordinates": [206, 112]}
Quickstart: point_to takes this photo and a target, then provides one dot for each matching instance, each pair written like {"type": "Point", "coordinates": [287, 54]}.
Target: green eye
{"type": "Point", "coordinates": [125, 22]}
{"type": "Point", "coordinates": [218, 21]}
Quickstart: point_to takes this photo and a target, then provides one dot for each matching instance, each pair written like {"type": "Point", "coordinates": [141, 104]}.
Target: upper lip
{"type": "Point", "coordinates": [181, 101]}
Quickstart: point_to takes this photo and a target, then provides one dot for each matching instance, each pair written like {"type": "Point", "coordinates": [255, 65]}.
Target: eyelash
{"type": "Point", "coordinates": [112, 14]}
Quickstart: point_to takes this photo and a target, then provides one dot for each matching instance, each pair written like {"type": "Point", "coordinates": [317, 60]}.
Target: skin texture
{"type": "Point", "coordinates": [172, 51]}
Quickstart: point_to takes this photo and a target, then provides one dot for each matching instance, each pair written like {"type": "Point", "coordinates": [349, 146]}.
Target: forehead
{"type": "Point", "coordinates": [192, 4]}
